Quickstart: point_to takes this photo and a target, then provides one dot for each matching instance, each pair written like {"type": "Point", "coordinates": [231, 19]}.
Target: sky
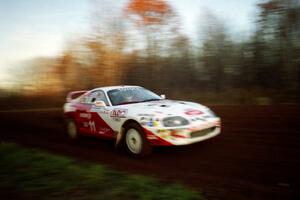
{"type": "Point", "coordinates": [34, 28]}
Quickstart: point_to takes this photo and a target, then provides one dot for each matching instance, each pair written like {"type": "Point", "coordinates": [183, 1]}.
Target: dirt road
{"type": "Point", "coordinates": [257, 155]}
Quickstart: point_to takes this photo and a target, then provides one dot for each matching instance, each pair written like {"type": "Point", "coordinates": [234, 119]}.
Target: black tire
{"type": "Point", "coordinates": [71, 129]}
{"type": "Point", "coordinates": [135, 142]}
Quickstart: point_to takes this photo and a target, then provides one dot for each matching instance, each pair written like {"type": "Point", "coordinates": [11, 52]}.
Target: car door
{"type": "Point", "coordinates": [97, 121]}
{"type": "Point", "coordinates": [83, 115]}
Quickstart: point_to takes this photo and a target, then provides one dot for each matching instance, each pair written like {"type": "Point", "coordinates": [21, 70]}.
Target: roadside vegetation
{"type": "Point", "coordinates": [31, 174]}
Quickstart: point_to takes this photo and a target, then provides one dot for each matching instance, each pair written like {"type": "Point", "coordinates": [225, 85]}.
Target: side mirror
{"type": "Point", "coordinates": [163, 96]}
{"type": "Point", "coordinates": [99, 104]}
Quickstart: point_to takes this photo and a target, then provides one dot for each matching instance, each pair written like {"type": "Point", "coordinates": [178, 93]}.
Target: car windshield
{"type": "Point", "coordinates": [129, 95]}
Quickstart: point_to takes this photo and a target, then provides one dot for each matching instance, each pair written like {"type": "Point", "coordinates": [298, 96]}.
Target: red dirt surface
{"type": "Point", "coordinates": [255, 157]}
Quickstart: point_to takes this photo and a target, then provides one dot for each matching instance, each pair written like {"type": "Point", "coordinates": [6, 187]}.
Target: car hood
{"type": "Point", "coordinates": [165, 108]}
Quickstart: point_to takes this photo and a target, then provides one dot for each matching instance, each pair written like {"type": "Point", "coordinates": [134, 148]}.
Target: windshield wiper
{"type": "Point", "coordinates": [150, 100]}
{"type": "Point", "coordinates": [130, 102]}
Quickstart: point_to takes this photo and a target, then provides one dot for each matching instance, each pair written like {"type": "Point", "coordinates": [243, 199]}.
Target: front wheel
{"type": "Point", "coordinates": [135, 141]}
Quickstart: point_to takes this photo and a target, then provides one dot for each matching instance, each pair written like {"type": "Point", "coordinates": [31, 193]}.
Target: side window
{"type": "Point", "coordinates": [97, 96]}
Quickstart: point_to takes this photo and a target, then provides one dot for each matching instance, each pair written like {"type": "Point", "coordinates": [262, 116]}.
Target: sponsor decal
{"type": "Point", "coordinates": [151, 137]}
{"type": "Point", "coordinates": [101, 110]}
{"type": "Point", "coordinates": [180, 134]}
{"type": "Point", "coordinates": [92, 126]}
{"type": "Point", "coordinates": [106, 112]}
{"type": "Point", "coordinates": [119, 113]}
{"type": "Point", "coordinates": [172, 134]}
{"type": "Point", "coordinates": [128, 88]}
{"type": "Point", "coordinates": [85, 115]}
{"type": "Point", "coordinates": [116, 119]}
{"type": "Point", "coordinates": [150, 123]}
{"type": "Point", "coordinates": [164, 133]}
{"type": "Point", "coordinates": [103, 130]}
{"type": "Point", "coordinates": [153, 123]}
{"type": "Point", "coordinates": [193, 112]}
{"type": "Point", "coordinates": [146, 121]}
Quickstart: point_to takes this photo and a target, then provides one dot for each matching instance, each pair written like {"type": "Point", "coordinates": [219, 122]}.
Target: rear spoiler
{"type": "Point", "coordinates": [74, 95]}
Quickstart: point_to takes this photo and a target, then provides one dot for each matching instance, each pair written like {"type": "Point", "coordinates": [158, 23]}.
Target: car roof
{"type": "Point", "coordinates": [107, 88]}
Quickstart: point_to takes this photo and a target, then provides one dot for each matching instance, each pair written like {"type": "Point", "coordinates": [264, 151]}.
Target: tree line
{"type": "Point", "coordinates": [144, 45]}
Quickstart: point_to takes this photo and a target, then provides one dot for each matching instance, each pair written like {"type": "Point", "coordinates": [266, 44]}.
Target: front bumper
{"type": "Point", "coordinates": [183, 135]}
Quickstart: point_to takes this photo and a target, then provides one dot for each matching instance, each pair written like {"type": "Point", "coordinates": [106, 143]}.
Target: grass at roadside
{"type": "Point", "coordinates": [31, 174]}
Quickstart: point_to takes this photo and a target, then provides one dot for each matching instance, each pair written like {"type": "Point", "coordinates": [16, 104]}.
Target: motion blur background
{"type": "Point", "coordinates": [213, 52]}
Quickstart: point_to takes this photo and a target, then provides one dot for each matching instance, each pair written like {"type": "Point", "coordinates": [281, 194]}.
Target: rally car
{"type": "Point", "coordinates": [137, 118]}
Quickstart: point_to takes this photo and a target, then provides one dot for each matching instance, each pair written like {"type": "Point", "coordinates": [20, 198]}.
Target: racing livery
{"type": "Point", "coordinates": [137, 118]}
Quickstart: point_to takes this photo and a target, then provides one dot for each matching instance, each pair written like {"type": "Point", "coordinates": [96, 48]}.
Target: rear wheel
{"type": "Point", "coordinates": [135, 141]}
{"type": "Point", "coordinates": [72, 130]}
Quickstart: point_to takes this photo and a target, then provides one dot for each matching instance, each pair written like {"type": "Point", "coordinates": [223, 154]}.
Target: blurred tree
{"type": "Point", "coordinates": [69, 71]}
{"type": "Point", "coordinates": [64, 69]}
{"type": "Point", "coordinates": [215, 52]}
{"type": "Point", "coordinates": [37, 76]}
{"type": "Point", "coordinates": [156, 19]}
{"type": "Point", "coordinates": [146, 48]}
{"type": "Point", "coordinates": [181, 71]}
{"type": "Point", "coordinates": [106, 44]}
{"type": "Point", "coordinates": [278, 35]}
{"type": "Point", "coordinates": [149, 12]}
{"type": "Point", "coordinates": [158, 23]}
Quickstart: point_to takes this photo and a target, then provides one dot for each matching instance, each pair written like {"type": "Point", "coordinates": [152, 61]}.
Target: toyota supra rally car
{"type": "Point", "coordinates": [137, 118]}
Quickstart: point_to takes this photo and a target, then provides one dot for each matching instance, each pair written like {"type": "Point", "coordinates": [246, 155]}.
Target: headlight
{"type": "Point", "coordinates": [175, 121]}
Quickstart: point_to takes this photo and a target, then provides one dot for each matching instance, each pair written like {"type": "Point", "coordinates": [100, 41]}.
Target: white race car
{"type": "Point", "coordinates": [138, 118]}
